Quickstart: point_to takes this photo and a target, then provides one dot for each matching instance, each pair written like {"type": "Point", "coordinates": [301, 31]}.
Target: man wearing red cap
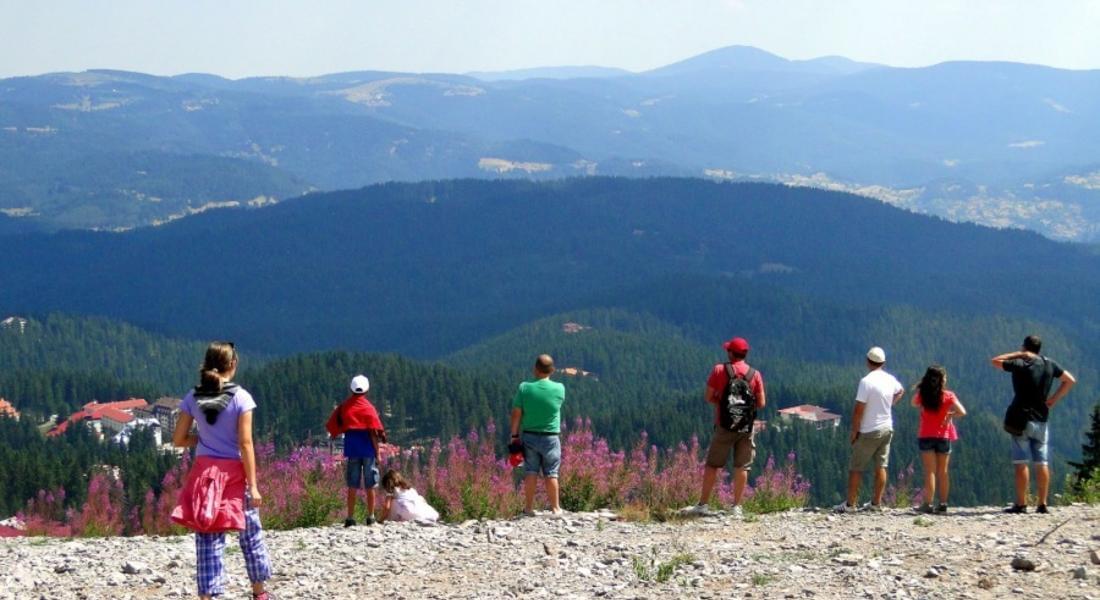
{"type": "Point", "coordinates": [737, 391]}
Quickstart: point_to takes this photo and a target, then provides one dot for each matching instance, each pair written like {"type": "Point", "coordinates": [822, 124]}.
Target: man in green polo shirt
{"type": "Point", "coordinates": [536, 422]}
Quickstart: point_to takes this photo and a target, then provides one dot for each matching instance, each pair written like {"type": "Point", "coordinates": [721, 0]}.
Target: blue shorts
{"type": "Point", "coordinates": [361, 473]}
{"type": "Point", "coordinates": [937, 445]}
{"type": "Point", "coordinates": [1031, 446]}
{"type": "Point", "coordinates": [541, 454]}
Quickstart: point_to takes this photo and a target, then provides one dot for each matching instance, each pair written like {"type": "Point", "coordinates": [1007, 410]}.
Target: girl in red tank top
{"type": "Point", "coordinates": [938, 408]}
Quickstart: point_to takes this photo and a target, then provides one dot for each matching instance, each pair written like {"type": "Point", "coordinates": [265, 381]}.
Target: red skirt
{"type": "Point", "coordinates": [212, 499]}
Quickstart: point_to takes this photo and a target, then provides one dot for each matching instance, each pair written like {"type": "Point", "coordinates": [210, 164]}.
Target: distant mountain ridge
{"type": "Point", "coordinates": [1004, 144]}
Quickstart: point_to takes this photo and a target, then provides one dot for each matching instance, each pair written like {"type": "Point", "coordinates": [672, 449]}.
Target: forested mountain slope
{"type": "Point", "coordinates": [429, 268]}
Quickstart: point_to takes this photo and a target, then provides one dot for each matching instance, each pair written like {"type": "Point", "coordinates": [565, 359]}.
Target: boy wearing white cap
{"type": "Point", "coordinates": [872, 429]}
{"type": "Point", "coordinates": [357, 419]}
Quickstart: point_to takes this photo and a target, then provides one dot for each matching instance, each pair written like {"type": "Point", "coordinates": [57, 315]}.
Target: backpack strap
{"type": "Point", "coordinates": [732, 374]}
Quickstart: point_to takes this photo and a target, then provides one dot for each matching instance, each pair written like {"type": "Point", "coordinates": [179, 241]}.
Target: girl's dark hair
{"type": "Point", "coordinates": [219, 360]}
{"type": "Point", "coordinates": [931, 387]}
{"type": "Point", "coordinates": [393, 480]}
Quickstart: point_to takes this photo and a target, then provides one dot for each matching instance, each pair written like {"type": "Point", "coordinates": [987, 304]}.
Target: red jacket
{"type": "Point", "coordinates": [356, 412]}
{"type": "Point", "coordinates": [212, 499]}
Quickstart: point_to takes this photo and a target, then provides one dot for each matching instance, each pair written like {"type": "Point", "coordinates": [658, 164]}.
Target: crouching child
{"type": "Point", "coordinates": [402, 502]}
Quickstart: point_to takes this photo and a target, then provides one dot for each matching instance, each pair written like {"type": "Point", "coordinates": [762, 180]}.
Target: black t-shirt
{"type": "Point", "coordinates": [1031, 383]}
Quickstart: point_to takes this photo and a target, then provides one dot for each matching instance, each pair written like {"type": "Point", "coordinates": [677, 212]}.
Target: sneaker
{"type": "Point", "coordinates": [1042, 509]}
{"type": "Point", "coordinates": [925, 508]}
{"type": "Point", "coordinates": [349, 522]}
{"type": "Point", "coordinates": [264, 595]}
{"type": "Point", "coordinates": [697, 510]}
{"type": "Point", "coordinates": [844, 507]}
{"type": "Point", "coordinates": [872, 507]}
{"type": "Point", "coordinates": [737, 512]}
{"type": "Point", "coordinates": [1017, 509]}
{"type": "Point", "coordinates": [941, 508]}
{"type": "Point", "coordinates": [369, 520]}
{"type": "Point", "coordinates": [557, 514]}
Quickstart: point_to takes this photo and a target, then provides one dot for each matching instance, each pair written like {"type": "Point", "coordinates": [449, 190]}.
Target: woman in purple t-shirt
{"type": "Point", "coordinates": [221, 493]}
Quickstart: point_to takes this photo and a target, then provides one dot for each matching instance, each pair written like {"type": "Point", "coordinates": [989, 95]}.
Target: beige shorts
{"type": "Point", "coordinates": [871, 448]}
{"type": "Point", "coordinates": [742, 444]}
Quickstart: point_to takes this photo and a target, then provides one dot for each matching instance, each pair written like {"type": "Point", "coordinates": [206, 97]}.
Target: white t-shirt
{"type": "Point", "coordinates": [409, 505]}
{"type": "Point", "coordinates": [877, 391]}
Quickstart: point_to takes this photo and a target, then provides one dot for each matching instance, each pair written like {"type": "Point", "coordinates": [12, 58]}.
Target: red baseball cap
{"type": "Point", "coordinates": [738, 345]}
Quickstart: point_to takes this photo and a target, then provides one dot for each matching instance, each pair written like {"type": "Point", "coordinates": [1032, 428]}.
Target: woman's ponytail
{"type": "Point", "coordinates": [219, 361]}
{"type": "Point", "coordinates": [209, 380]}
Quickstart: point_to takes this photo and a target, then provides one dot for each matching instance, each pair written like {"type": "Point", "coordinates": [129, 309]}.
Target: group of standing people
{"type": "Point", "coordinates": [222, 493]}
{"type": "Point", "coordinates": [737, 391]}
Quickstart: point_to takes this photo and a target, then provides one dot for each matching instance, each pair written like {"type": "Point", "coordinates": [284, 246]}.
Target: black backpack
{"type": "Point", "coordinates": [737, 408]}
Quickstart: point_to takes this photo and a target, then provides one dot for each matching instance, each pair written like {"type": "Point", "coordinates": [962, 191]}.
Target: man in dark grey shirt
{"type": "Point", "coordinates": [1032, 377]}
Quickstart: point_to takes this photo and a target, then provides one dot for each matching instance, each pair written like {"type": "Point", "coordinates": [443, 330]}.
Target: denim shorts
{"type": "Point", "coordinates": [541, 454]}
{"type": "Point", "coordinates": [361, 473]}
{"type": "Point", "coordinates": [1031, 446]}
{"type": "Point", "coordinates": [937, 445]}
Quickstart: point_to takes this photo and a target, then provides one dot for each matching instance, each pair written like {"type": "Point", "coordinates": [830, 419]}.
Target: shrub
{"type": "Point", "coordinates": [102, 512]}
{"type": "Point", "coordinates": [1085, 490]}
{"type": "Point", "coordinates": [904, 493]}
{"type": "Point", "coordinates": [777, 489]}
{"type": "Point", "coordinates": [465, 478]}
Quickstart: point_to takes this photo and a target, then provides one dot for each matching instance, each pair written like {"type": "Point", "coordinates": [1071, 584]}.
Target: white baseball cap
{"type": "Point", "coordinates": [360, 384]}
{"type": "Point", "coordinates": [876, 355]}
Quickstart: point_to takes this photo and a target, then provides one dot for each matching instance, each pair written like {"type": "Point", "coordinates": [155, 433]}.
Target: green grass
{"type": "Point", "coordinates": [666, 569]}
{"type": "Point", "coordinates": [759, 579]}
{"type": "Point", "coordinates": [923, 522]}
{"type": "Point", "coordinates": [648, 569]}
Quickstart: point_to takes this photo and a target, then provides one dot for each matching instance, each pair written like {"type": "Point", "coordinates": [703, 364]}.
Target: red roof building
{"type": "Point", "coordinates": [113, 419]}
{"type": "Point", "coordinates": [809, 412]}
{"type": "Point", "coordinates": [7, 410]}
{"type": "Point", "coordinates": [116, 413]}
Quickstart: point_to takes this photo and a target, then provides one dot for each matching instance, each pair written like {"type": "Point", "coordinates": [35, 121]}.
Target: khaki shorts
{"type": "Point", "coordinates": [873, 447]}
{"type": "Point", "coordinates": [724, 440]}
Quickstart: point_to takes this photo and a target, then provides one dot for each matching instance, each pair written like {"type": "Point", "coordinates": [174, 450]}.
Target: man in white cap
{"type": "Point", "coordinates": [872, 430]}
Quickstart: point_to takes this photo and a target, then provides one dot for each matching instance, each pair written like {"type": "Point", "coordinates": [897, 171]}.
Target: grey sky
{"type": "Point", "coordinates": [237, 38]}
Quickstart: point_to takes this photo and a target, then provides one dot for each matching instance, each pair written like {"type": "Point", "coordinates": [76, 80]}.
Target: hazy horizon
{"type": "Point", "coordinates": [297, 39]}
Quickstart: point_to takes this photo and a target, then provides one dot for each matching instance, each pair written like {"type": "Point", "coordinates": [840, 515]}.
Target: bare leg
{"type": "Point", "coordinates": [352, 492]}
{"type": "Point", "coordinates": [855, 478]}
{"type": "Point", "coordinates": [740, 479]}
{"type": "Point", "coordinates": [529, 493]}
{"type": "Point", "coordinates": [257, 588]}
{"type": "Point", "coordinates": [1042, 482]}
{"type": "Point", "coordinates": [710, 476]}
{"type": "Point", "coordinates": [370, 502]}
{"type": "Point", "coordinates": [552, 493]}
{"type": "Point", "coordinates": [929, 462]}
{"type": "Point", "coordinates": [1021, 485]}
{"type": "Point", "coordinates": [880, 486]}
{"type": "Point", "coordinates": [942, 461]}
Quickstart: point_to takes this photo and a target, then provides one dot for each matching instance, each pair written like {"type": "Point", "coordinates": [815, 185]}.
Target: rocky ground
{"type": "Point", "coordinates": [970, 553]}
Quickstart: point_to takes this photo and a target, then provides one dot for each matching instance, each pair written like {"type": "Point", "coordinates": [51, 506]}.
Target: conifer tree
{"type": "Point", "coordinates": [1090, 450]}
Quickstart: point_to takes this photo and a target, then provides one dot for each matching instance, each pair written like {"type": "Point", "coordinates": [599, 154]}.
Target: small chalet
{"type": "Point", "coordinates": [814, 414]}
